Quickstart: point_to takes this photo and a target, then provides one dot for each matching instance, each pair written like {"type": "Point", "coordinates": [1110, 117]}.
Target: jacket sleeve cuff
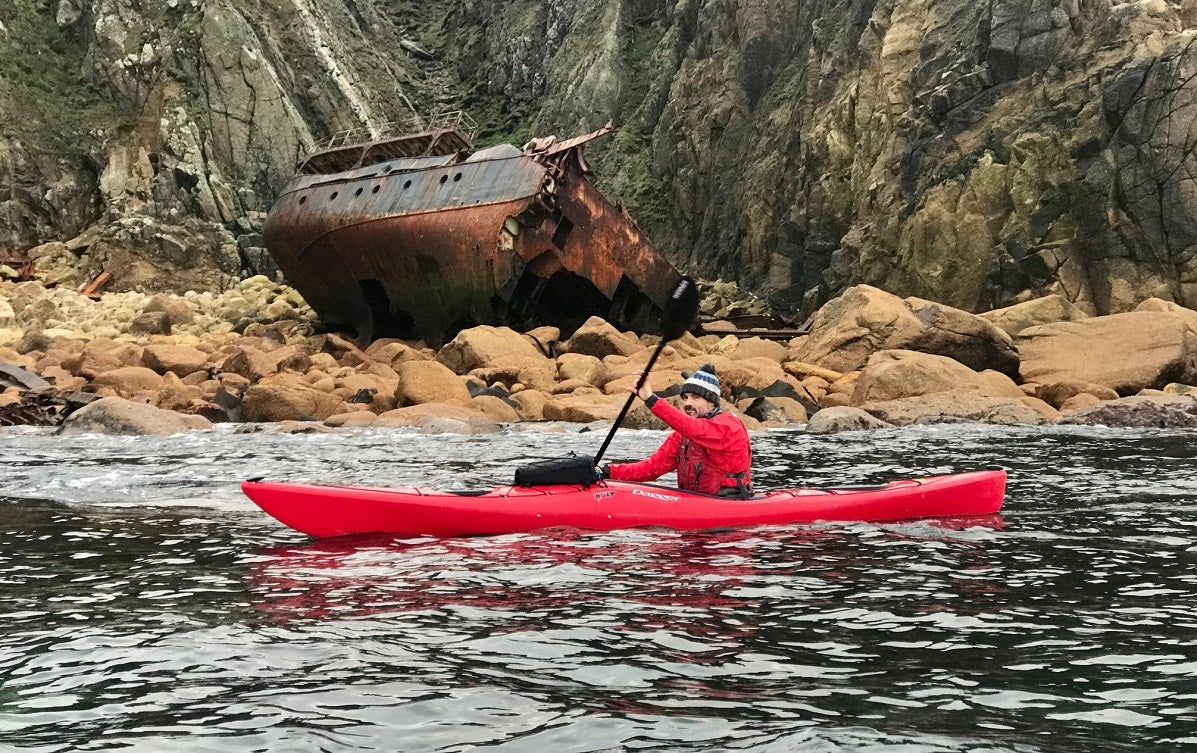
{"type": "Point", "coordinates": [651, 400]}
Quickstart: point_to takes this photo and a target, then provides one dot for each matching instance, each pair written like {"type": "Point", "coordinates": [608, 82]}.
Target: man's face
{"type": "Point", "coordinates": [696, 406]}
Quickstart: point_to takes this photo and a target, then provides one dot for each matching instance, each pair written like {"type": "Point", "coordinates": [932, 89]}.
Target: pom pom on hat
{"type": "Point", "coordinates": [703, 383]}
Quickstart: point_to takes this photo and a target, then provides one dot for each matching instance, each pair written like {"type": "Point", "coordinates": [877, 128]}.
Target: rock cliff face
{"type": "Point", "coordinates": [975, 154]}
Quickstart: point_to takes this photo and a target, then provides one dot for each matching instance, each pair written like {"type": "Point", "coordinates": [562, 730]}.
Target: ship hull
{"type": "Point", "coordinates": [424, 247]}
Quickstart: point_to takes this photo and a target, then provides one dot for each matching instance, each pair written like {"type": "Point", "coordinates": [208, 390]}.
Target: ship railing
{"type": "Point", "coordinates": [445, 121]}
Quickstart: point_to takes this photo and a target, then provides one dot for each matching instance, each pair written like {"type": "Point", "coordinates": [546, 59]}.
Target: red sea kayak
{"type": "Point", "coordinates": [321, 511]}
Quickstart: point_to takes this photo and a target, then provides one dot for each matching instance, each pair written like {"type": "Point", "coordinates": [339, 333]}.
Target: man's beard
{"type": "Point", "coordinates": [691, 411]}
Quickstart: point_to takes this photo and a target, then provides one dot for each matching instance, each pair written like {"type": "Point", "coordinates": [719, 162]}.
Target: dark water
{"type": "Point", "coordinates": [146, 605]}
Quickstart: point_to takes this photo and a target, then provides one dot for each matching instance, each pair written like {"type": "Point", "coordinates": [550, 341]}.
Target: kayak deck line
{"type": "Point", "coordinates": [337, 510]}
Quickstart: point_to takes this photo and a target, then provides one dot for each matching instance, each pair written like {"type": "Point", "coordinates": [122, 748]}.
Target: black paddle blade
{"type": "Point", "coordinates": [681, 310]}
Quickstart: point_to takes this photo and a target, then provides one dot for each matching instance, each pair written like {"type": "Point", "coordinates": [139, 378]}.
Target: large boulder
{"type": "Point", "coordinates": [114, 415]}
{"type": "Point", "coordinates": [1150, 411]}
{"type": "Point", "coordinates": [485, 346]}
{"type": "Point", "coordinates": [1045, 310]}
{"type": "Point", "coordinates": [287, 400]}
{"type": "Point", "coordinates": [894, 374]}
{"type": "Point", "coordinates": [954, 406]}
{"type": "Point", "coordinates": [583, 407]}
{"type": "Point", "coordinates": [843, 418]}
{"type": "Point", "coordinates": [429, 382]}
{"type": "Point", "coordinates": [440, 418]}
{"type": "Point", "coordinates": [129, 380]}
{"type": "Point", "coordinates": [864, 320]}
{"type": "Point", "coordinates": [1127, 352]}
{"type": "Point", "coordinates": [597, 337]}
{"type": "Point", "coordinates": [180, 360]}
{"type": "Point", "coordinates": [1158, 304]}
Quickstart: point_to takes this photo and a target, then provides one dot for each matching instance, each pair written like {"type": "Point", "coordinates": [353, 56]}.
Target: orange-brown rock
{"type": "Point", "coordinates": [486, 347]}
{"type": "Point", "coordinates": [864, 320]}
{"type": "Point", "coordinates": [801, 370]}
{"type": "Point", "coordinates": [1079, 401]}
{"type": "Point", "coordinates": [495, 408]}
{"type": "Point", "coordinates": [176, 359]}
{"type": "Point", "coordinates": [351, 420]}
{"type": "Point", "coordinates": [429, 382]}
{"type": "Point", "coordinates": [287, 400]}
{"type": "Point", "coordinates": [581, 367]}
{"type": "Point", "coordinates": [249, 362]}
{"type": "Point", "coordinates": [952, 406]}
{"type": "Point", "coordinates": [392, 352]}
{"type": "Point", "coordinates": [894, 374]}
{"type": "Point", "coordinates": [440, 418]}
{"type": "Point", "coordinates": [541, 375]}
{"type": "Point", "coordinates": [1126, 352]}
{"type": "Point", "coordinates": [1057, 393]}
{"type": "Point", "coordinates": [178, 397]}
{"type": "Point", "coordinates": [1045, 310]}
{"type": "Point", "coordinates": [530, 404]}
{"type": "Point", "coordinates": [597, 337]}
{"type": "Point", "coordinates": [129, 380]}
{"type": "Point", "coordinates": [63, 379]}
{"type": "Point", "coordinates": [1157, 304]}
{"type": "Point", "coordinates": [582, 407]}
{"type": "Point", "coordinates": [758, 347]}
{"type": "Point", "coordinates": [571, 385]}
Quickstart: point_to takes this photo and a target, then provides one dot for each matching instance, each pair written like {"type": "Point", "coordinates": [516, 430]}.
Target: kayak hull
{"type": "Point", "coordinates": [324, 511]}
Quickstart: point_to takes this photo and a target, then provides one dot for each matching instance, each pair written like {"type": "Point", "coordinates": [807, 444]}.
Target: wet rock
{"type": "Point", "coordinates": [843, 418]}
{"type": "Point", "coordinates": [1161, 412]}
{"type": "Point", "coordinates": [954, 406]}
{"type": "Point", "coordinates": [775, 411]}
{"type": "Point", "coordinates": [582, 407]}
{"type": "Point", "coordinates": [114, 415]}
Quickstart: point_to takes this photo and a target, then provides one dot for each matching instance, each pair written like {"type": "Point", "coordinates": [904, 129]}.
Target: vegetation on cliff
{"type": "Point", "coordinates": [975, 154]}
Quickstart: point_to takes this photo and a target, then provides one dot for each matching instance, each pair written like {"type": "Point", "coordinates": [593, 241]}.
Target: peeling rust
{"type": "Point", "coordinates": [420, 236]}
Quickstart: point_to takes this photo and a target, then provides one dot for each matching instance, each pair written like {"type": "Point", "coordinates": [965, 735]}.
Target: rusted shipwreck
{"type": "Point", "coordinates": [420, 235]}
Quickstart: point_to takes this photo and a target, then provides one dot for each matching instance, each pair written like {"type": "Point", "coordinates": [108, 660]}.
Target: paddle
{"type": "Point", "coordinates": [679, 313]}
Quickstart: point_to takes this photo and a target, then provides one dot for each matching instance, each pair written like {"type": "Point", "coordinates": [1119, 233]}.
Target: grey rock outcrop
{"type": "Point", "coordinates": [974, 154]}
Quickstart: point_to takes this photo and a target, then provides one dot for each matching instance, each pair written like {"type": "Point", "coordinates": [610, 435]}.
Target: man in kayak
{"type": "Point", "coordinates": [708, 448]}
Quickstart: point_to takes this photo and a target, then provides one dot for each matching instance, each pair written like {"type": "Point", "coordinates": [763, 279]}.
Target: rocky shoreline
{"type": "Point", "coordinates": [163, 363]}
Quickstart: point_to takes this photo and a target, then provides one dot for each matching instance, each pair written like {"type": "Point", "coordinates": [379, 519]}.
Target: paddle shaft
{"type": "Point", "coordinates": [628, 405]}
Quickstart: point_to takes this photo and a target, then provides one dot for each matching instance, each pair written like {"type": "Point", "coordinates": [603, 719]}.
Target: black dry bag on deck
{"type": "Point", "coordinates": [570, 470]}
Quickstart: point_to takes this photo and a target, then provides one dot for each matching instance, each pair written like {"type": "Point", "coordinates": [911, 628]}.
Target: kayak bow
{"type": "Point", "coordinates": [323, 511]}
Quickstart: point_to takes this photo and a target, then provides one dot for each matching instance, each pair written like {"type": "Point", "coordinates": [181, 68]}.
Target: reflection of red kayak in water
{"type": "Point", "coordinates": [650, 574]}
{"type": "Point", "coordinates": [339, 510]}
{"type": "Point", "coordinates": [363, 575]}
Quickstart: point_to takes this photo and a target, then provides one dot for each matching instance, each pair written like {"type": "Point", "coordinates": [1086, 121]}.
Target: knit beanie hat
{"type": "Point", "coordinates": [703, 383]}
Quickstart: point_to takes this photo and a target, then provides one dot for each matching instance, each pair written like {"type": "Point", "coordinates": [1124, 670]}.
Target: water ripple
{"type": "Point", "coordinates": [146, 605]}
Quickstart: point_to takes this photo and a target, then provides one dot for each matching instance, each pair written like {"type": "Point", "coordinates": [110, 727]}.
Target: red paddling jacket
{"type": "Point", "coordinates": [710, 454]}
